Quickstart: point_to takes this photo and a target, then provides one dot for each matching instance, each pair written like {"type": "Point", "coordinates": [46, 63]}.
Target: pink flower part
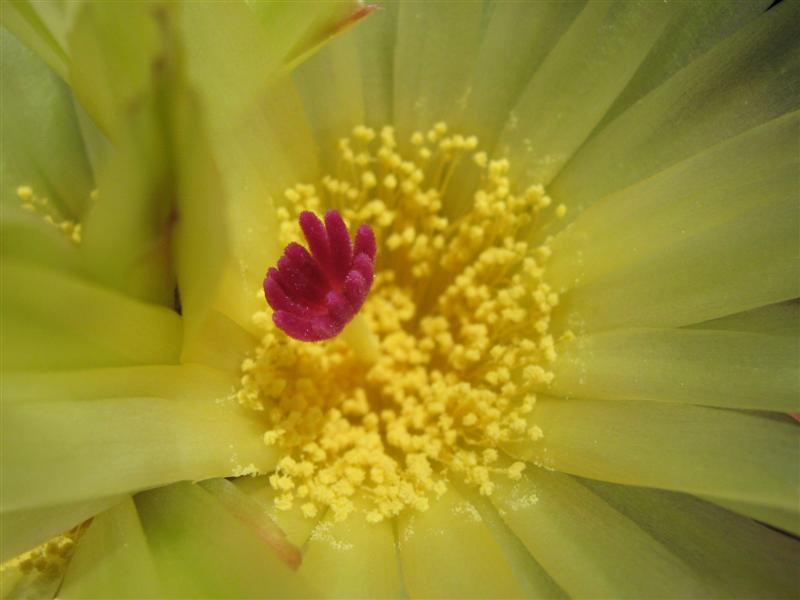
{"type": "Point", "coordinates": [314, 295]}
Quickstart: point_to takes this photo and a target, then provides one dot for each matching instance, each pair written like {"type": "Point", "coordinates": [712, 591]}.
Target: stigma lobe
{"type": "Point", "coordinates": [314, 293]}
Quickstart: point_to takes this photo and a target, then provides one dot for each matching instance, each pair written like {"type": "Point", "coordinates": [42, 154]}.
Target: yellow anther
{"type": "Point", "coordinates": [461, 311]}
{"type": "Point", "coordinates": [24, 192]}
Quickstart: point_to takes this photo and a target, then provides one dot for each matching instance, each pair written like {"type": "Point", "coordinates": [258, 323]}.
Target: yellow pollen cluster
{"type": "Point", "coordinates": [42, 206]}
{"type": "Point", "coordinates": [50, 558]}
{"type": "Point", "coordinates": [461, 310]}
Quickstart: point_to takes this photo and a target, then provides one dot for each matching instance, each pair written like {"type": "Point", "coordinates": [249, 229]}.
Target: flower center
{"type": "Point", "coordinates": [461, 313]}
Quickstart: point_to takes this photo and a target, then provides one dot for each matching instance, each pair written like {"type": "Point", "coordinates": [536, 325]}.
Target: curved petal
{"type": "Point", "coordinates": [577, 83]}
{"type": "Point", "coordinates": [787, 520]}
{"type": "Point", "coordinates": [713, 368]}
{"type": "Point", "coordinates": [536, 582]}
{"type": "Point", "coordinates": [354, 558]}
{"type": "Point", "coordinates": [427, 91]}
{"type": "Point", "coordinates": [753, 76]}
{"type": "Point", "coordinates": [746, 262]}
{"type": "Point", "coordinates": [701, 27]}
{"type": "Point", "coordinates": [112, 559]}
{"type": "Point", "coordinates": [775, 319]}
{"type": "Point", "coordinates": [703, 451]}
{"type": "Point", "coordinates": [42, 145]}
{"type": "Point", "coordinates": [292, 522]}
{"type": "Point", "coordinates": [745, 559]}
{"type": "Point", "coordinates": [517, 39]}
{"type": "Point", "coordinates": [612, 558]}
{"type": "Point", "coordinates": [52, 320]}
{"type": "Point", "coordinates": [58, 451]}
{"type": "Point", "coordinates": [448, 552]}
{"type": "Point", "coordinates": [22, 530]}
{"type": "Point", "coordinates": [201, 550]}
{"type": "Point", "coordinates": [753, 171]}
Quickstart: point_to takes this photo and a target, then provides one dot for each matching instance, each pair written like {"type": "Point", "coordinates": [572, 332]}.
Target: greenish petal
{"type": "Point", "coordinates": [52, 320]}
{"type": "Point", "coordinates": [752, 171]}
{"type": "Point", "coordinates": [376, 39]}
{"type": "Point", "coordinates": [112, 559]}
{"type": "Point", "coordinates": [775, 319]}
{"type": "Point", "coordinates": [295, 31]}
{"type": "Point", "coordinates": [745, 559]}
{"type": "Point", "coordinates": [785, 519]}
{"type": "Point", "coordinates": [713, 368]}
{"type": "Point", "coordinates": [751, 77]}
{"type": "Point", "coordinates": [23, 18]}
{"type": "Point", "coordinates": [23, 530]}
{"type": "Point", "coordinates": [123, 62]}
{"type": "Point", "coordinates": [42, 145]}
{"type": "Point", "coordinates": [588, 547]}
{"type": "Point", "coordinates": [577, 82]}
{"type": "Point", "coordinates": [432, 65]}
{"type": "Point", "coordinates": [255, 515]}
{"type": "Point", "coordinates": [27, 237]}
{"type": "Point", "coordinates": [748, 261]}
{"type": "Point", "coordinates": [220, 343]}
{"type": "Point", "coordinates": [259, 136]}
{"type": "Point", "coordinates": [201, 550]}
{"type": "Point", "coordinates": [701, 451]}
{"type": "Point", "coordinates": [536, 582]}
{"type": "Point", "coordinates": [517, 39]}
{"type": "Point", "coordinates": [200, 244]}
{"type": "Point", "coordinates": [448, 552]}
{"type": "Point", "coordinates": [184, 382]}
{"type": "Point", "coordinates": [331, 86]}
{"type": "Point", "coordinates": [292, 522]}
{"type": "Point", "coordinates": [354, 558]}
{"type": "Point", "coordinates": [58, 451]}
{"type": "Point", "coordinates": [699, 27]}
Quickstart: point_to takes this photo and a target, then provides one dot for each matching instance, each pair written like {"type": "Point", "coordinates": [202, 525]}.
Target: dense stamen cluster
{"type": "Point", "coordinates": [461, 311]}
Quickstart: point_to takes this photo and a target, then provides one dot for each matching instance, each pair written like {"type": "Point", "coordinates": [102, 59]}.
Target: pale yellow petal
{"type": "Point", "coordinates": [354, 558]}
{"type": "Point", "coordinates": [432, 65]}
{"type": "Point", "coordinates": [704, 451]}
{"type": "Point", "coordinates": [23, 530]}
{"type": "Point", "coordinates": [590, 549]}
{"type": "Point", "coordinates": [201, 550]}
{"type": "Point", "coordinates": [112, 559]}
{"type": "Point", "coordinates": [577, 82]}
{"type": "Point", "coordinates": [745, 559]}
{"type": "Point", "coordinates": [53, 320]}
{"type": "Point", "coordinates": [58, 451]}
{"type": "Point", "coordinates": [753, 76]}
{"type": "Point", "coordinates": [749, 172]}
{"type": "Point", "coordinates": [713, 368]}
{"type": "Point", "coordinates": [448, 552]}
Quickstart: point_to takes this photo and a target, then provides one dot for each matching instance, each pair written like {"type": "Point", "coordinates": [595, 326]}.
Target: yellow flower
{"type": "Point", "coordinates": [571, 375]}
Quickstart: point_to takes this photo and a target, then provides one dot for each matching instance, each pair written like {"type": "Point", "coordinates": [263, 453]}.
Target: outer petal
{"type": "Point", "coordinates": [703, 451]}
{"type": "Point", "coordinates": [611, 558]}
{"type": "Point", "coordinates": [354, 558]}
{"type": "Point", "coordinates": [753, 76]}
{"type": "Point", "coordinates": [746, 559]}
{"type": "Point", "coordinates": [447, 551]}
{"type": "Point", "coordinates": [61, 450]}
{"type": "Point", "coordinates": [201, 550]}
{"type": "Point", "coordinates": [42, 144]}
{"type": "Point", "coordinates": [56, 321]}
{"type": "Point", "coordinates": [112, 559]}
{"type": "Point", "coordinates": [712, 368]}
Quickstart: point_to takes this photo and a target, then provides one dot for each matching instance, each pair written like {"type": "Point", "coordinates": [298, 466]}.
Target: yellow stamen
{"type": "Point", "coordinates": [441, 367]}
